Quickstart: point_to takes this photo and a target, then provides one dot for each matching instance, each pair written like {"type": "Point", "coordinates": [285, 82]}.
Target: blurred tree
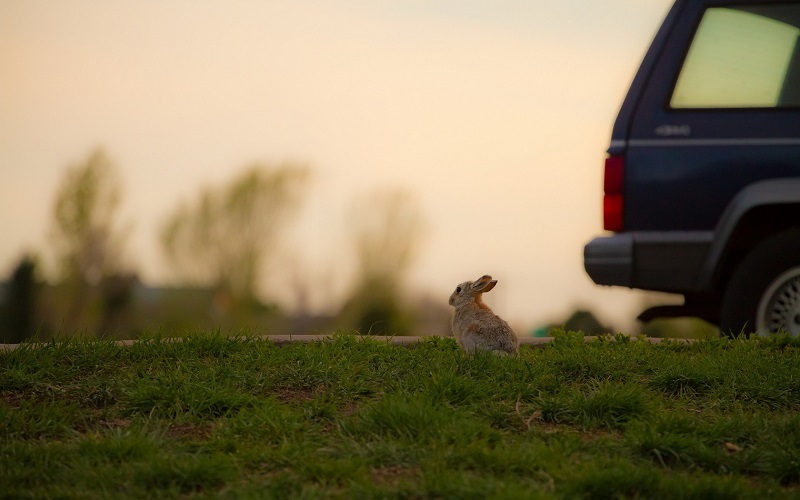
{"type": "Point", "coordinates": [226, 237]}
{"type": "Point", "coordinates": [681, 327]}
{"type": "Point", "coordinates": [86, 236]}
{"type": "Point", "coordinates": [586, 322]}
{"type": "Point", "coordinates": [116, 298]}
{"type": "Point", "coordinates": [387, 226]}
{"type": "Point", "coordinates": [20, 303]}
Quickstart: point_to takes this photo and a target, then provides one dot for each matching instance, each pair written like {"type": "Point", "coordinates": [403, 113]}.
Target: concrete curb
{"type": "Point", "coordinates": [402, 341]}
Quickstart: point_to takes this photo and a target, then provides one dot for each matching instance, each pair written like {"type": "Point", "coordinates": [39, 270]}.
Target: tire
{"type": "Point", "coordinates": [763, 295]}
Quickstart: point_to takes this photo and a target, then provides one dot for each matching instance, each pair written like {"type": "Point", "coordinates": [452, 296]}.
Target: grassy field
{"type": "Point", "coordinates": [225, 417]}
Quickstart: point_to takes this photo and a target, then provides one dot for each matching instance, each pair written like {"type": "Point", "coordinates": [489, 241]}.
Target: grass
{"type": "Point", "coordinates": [242, 417]}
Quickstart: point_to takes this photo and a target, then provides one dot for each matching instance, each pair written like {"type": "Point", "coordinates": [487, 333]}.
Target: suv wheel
{"type": "Point", "coordinates": [763, 295]}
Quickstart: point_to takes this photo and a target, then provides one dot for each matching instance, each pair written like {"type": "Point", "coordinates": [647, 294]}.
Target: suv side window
{"type": "Point", "coordinates": [742, 58]}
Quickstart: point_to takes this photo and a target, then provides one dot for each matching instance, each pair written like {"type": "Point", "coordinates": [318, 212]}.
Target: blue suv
{"type": "Point", "coordinates": [702, 178]}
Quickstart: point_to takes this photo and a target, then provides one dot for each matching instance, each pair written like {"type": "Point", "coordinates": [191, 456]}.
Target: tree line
{"type": "Point", "coordinates": [221, 240]}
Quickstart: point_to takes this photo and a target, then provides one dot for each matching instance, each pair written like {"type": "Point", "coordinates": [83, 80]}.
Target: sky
{"type": "Point", "coordinates": [493, 114]}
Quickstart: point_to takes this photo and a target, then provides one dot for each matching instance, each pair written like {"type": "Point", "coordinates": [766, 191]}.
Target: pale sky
{"type": "Point", "coordinates": [494, 114]}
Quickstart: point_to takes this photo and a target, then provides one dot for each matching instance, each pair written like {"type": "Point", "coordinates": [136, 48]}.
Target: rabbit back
{"type": "Point", "coordinates": [478, 329]}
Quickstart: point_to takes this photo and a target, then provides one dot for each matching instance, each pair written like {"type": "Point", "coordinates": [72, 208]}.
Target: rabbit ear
{"type": "Point", "coordinates": [483, 280]}
{"type": "Point", "coordinates": [484, 284]}
{"type": "Point", "coordinates": [489, 286]}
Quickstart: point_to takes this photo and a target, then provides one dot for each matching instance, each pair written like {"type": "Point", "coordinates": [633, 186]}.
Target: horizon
{"type": "Point", "coordinates": [511, 104]}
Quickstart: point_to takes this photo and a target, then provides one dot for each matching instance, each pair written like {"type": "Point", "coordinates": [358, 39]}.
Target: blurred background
{"type": "Point", "coordinates": [302, 167]}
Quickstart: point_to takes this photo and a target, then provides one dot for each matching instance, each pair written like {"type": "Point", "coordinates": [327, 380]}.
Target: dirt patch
{"type": "Point", "coordinates": [189, 432]}
{"type": "Point", "coordinates": [589, 435]}
{"type": "Point", "coordinates": [394, 475]}
{"type": "Point", "coordinates": [294, 395]}
{"type": "Point", "coordinates": [546, 427]}
{"type": "Point", "coordinates": [116, 423]}
{"type": "Point", "coordinates": [349, 408]}
{"type": "Point", "coordinates": [14, 398]}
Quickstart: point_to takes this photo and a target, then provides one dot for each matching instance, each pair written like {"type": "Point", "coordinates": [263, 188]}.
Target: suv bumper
{"type": "Point", "coordinates": [659, 261]}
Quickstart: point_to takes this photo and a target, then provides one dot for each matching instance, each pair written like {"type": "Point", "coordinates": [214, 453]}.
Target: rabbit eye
{"type": "Point", "coordinates": [458, 289]}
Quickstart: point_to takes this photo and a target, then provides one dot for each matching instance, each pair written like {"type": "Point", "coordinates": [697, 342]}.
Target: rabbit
{"type": "Point", "coordinates": [475, 326]}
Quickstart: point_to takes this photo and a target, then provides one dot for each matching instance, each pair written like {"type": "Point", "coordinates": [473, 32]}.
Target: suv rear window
{"type": "Point", "coordinates": [744, 57]}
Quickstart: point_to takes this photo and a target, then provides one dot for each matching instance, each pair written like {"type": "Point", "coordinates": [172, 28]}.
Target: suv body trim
{"type": "Point", "coordinates": [646, 143]}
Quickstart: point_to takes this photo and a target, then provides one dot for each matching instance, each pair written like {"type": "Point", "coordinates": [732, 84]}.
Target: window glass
{"type": "Point", "coordinates": [740, 58]}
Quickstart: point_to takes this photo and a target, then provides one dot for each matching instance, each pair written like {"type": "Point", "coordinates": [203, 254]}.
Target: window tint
{"type": "Point", "coordinates": [742, 58]}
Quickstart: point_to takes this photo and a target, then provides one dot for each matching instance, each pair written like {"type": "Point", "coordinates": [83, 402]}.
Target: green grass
{"type": "Point", "coordinates": [243, 417]}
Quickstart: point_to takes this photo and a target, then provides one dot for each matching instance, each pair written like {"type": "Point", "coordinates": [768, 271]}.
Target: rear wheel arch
{"type": "Point", "coordinates": [755, 226]}
{"type": "Point", "coordinates": [755, 214]}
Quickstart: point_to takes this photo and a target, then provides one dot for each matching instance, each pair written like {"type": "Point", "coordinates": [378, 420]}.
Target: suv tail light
{"type": "Point", "coordinates": [613, 199]}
